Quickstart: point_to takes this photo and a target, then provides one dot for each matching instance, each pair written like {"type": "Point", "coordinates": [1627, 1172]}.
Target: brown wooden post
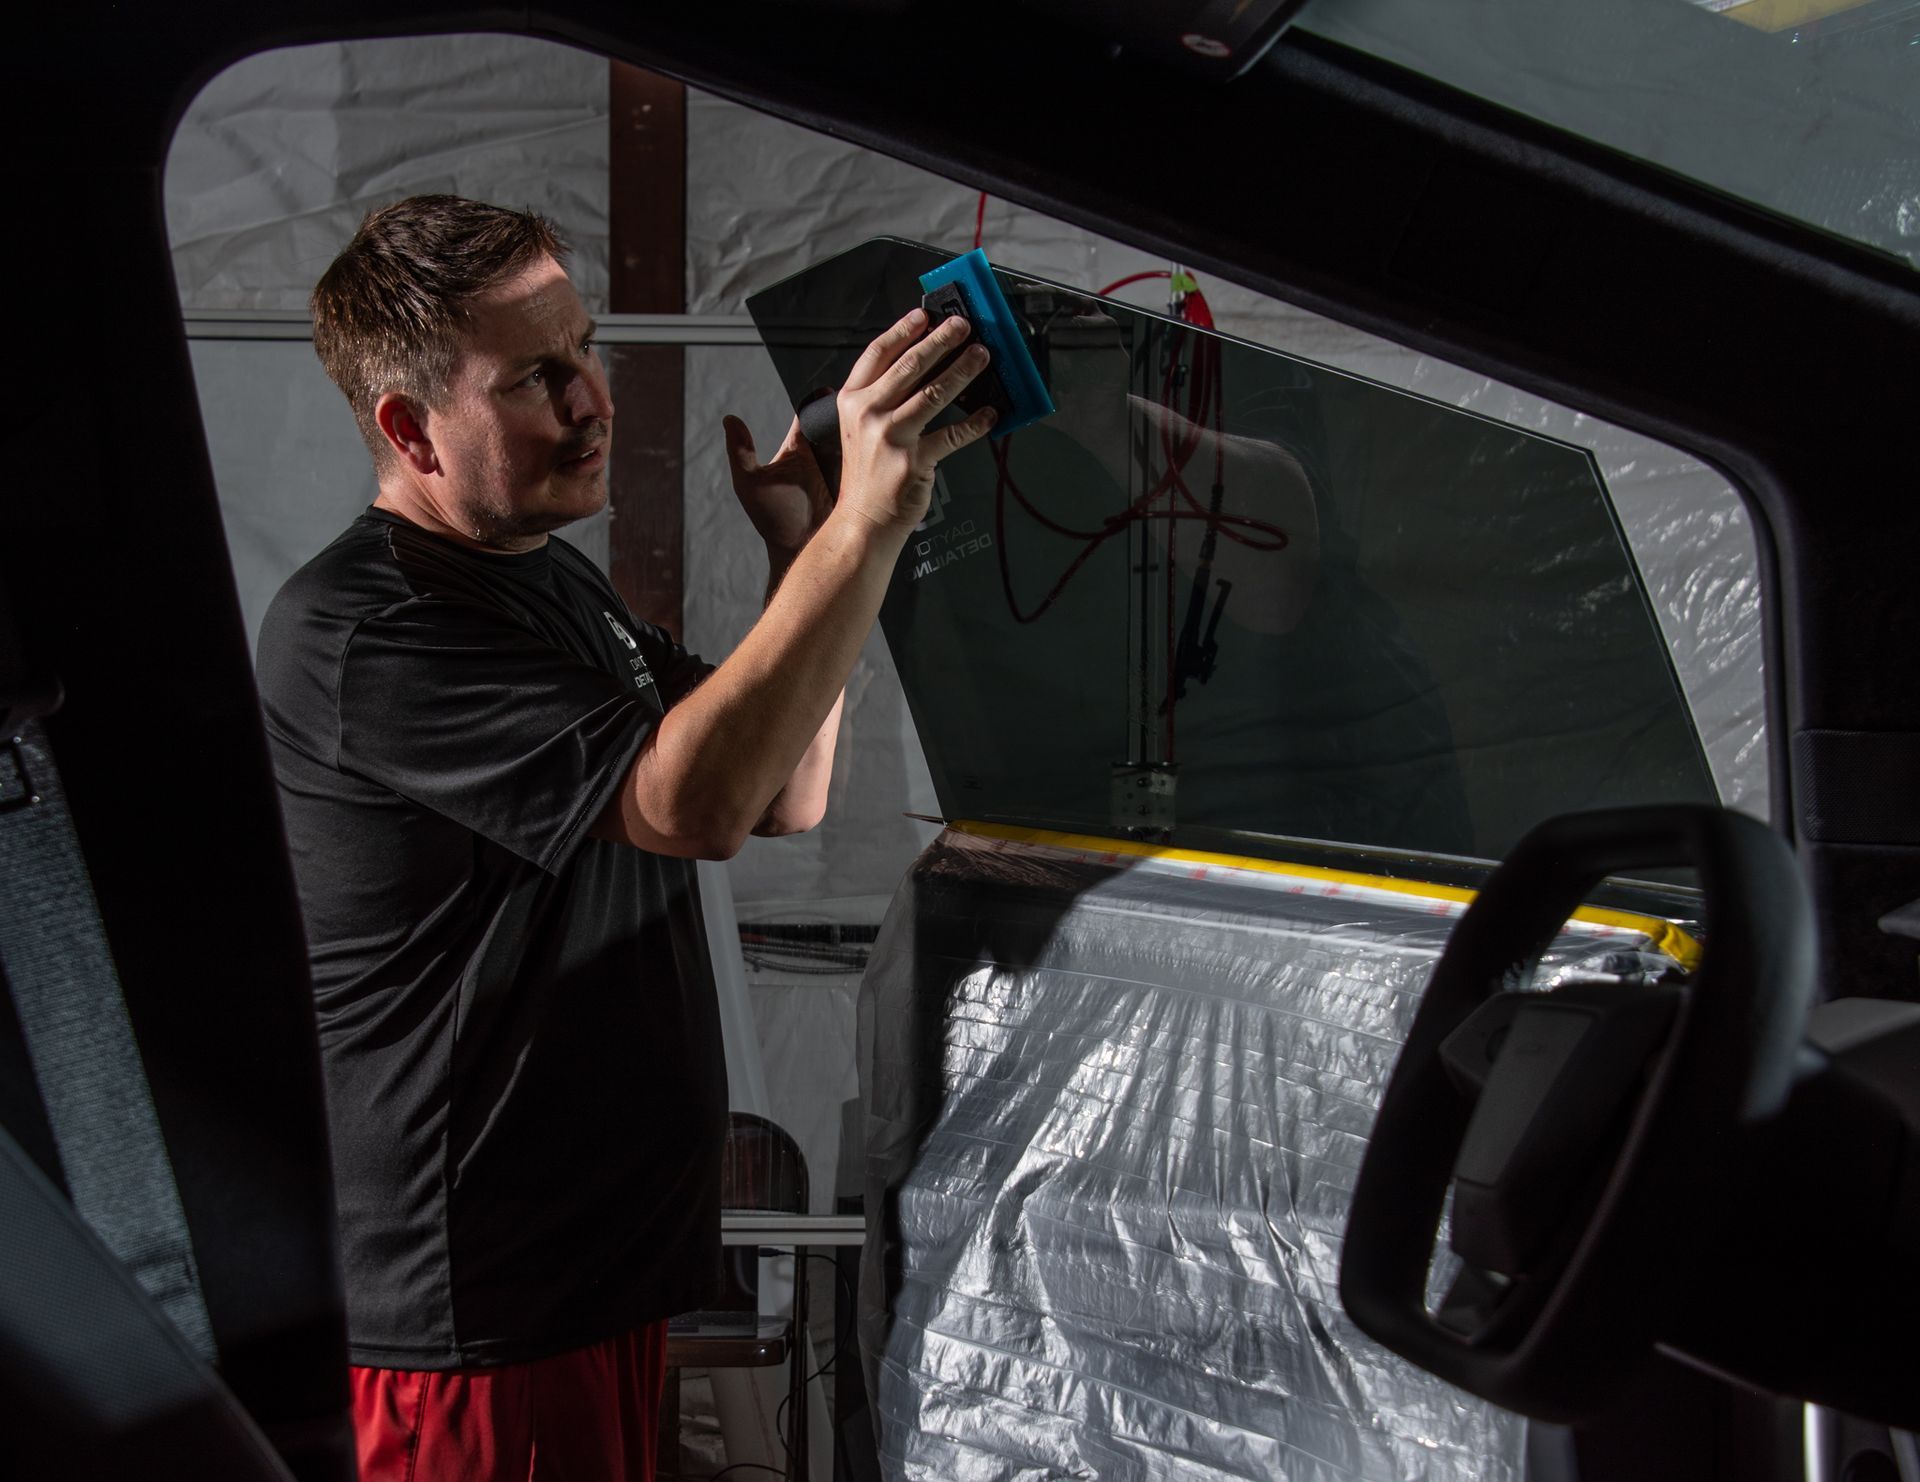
{"type": "Point", "coordinates": [647, 254]}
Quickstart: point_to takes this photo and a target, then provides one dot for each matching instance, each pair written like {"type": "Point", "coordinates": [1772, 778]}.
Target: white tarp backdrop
{"type": "Point", "coordinates": [279, 158]}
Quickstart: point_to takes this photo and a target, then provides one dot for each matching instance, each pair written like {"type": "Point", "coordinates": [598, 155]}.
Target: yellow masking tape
{"type": "Point", "coordinates": [1667, 937]}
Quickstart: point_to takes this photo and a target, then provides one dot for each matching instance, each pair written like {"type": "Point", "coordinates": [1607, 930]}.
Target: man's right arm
{"type": "Point", "coordinates": [710, 769]}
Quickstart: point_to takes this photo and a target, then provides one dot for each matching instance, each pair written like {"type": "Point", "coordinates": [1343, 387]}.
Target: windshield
{"type": "Point", "coordinates": [1225, 590]}
{"type": "Point", "coordinates": [1808, 108]}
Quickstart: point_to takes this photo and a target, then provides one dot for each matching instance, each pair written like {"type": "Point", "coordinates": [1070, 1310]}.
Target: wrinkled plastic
{"type": "Point", "coordinates": [1115, 1109]}
{"type": "Point", "coordinates": [279, 157]}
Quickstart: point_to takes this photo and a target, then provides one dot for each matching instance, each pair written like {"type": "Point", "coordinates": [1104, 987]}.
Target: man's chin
{"type": "Point", "coordinates": [576, 497]}
{"type": "Point", "coordinates": [568, 498]}
{"type": "Point", "coordinates": [524, 529]}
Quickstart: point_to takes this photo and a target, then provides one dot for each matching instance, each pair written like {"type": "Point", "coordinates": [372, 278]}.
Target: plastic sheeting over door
{"type": "Point", "coordinates": [1115, 1112]}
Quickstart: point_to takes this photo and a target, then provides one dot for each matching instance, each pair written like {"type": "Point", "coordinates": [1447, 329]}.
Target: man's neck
{"type": "Point", "coordinates": [402, 499]}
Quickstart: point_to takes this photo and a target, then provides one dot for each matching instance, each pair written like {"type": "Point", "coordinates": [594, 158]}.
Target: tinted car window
{"type": "Point", "coordinates": [1225, 589]}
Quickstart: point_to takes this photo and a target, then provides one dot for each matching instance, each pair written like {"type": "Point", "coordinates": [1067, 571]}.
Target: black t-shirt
{"type": "Point", "coordinates": [518, 1027]}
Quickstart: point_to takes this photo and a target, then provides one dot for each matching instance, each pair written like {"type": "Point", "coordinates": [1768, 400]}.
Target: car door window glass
{"type": "Point", "coordinates": [1227, 591]}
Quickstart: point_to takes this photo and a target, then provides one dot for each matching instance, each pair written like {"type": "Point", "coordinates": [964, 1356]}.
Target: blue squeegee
{"type": "Point", "coordinates": [1011, 383]}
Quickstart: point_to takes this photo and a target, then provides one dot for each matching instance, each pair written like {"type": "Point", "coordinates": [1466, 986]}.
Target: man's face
{"type": "Point", "coordinates": [525, 432]}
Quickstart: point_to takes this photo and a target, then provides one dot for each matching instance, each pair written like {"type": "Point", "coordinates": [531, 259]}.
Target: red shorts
{"type": "Point", "coordinates": [588, 1415]}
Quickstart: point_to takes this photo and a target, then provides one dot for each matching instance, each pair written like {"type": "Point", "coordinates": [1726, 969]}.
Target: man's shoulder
{"type": "Point", "coordinates": [377, 564]}
{"type": "Point", "coordinates": [313, 617]}
{"type": "Point", "coordinates": [350, 575]}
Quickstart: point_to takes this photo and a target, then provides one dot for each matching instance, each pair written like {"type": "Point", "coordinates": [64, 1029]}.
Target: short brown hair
{"type": "Point", "coordinates": [388, 315]}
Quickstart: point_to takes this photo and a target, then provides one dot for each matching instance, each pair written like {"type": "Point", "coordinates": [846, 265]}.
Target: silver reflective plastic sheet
{"type": "Point", "coordinates": [1115, 1109]}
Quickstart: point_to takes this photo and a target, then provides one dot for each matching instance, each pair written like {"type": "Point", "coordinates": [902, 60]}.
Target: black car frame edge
{"type": "Point", "coordinates": [1788, 359]}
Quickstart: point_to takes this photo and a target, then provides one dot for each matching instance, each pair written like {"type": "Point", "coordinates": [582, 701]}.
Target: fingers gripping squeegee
{"type": "Point", "coordinates": [1011, 384]}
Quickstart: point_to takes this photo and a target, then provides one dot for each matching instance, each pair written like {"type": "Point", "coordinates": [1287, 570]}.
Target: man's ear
{"type": "Point", "coordinates": [404, 428]}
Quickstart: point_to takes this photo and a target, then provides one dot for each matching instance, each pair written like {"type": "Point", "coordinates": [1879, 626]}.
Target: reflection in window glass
{"type": "Point", "coordinates": [1228, 590]}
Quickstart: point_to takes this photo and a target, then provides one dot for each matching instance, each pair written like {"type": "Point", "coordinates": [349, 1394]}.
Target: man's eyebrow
{"type": "Point", "coordinates": [536, 357]}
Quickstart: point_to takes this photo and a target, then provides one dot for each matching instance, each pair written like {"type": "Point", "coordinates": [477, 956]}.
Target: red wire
{"type": "Point", "coordinates": [1204, 397]}
{"type": "Point", "coordinates": [1275, 538]}
{"type": "Point", "coordinates": [1173, 596]}
{"type": "Point", "coordinates": [1134, 278]}
{"type": "Point", "coordinates": [980, 220]}
{"type": "Point", "coordinates": [1007, 484]}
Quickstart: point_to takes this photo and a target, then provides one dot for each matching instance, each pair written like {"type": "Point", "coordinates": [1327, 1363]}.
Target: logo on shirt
{"type": "Point", "coordinates": [625, 636]}
{"type": "Point", "coordinates": [641, 676]}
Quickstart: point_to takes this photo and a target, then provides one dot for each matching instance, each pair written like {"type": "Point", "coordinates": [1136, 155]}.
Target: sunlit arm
{"type": "Point", "coordinates": [751, 750]}
{"type": "Point", "coordinates": [802, 803]}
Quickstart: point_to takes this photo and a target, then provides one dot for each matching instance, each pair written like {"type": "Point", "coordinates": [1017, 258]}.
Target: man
{"type": "Point", "coordinates": [494, 779]}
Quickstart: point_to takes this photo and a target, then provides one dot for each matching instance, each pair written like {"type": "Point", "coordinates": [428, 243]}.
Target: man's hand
{"type": "Point", "coordinates": [762, 726]}
{"type": "Point", "coordinates": [786, 499]}
{"type": "Point", "coordinates": [887, 456]}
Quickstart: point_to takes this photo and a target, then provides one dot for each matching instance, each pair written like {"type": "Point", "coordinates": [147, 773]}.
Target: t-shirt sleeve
{"type": "Point", "coordinates": [460, 711]}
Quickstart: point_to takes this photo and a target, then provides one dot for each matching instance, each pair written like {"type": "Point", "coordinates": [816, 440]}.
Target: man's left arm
{"type": "Point", "coordinates": [787, 499]}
